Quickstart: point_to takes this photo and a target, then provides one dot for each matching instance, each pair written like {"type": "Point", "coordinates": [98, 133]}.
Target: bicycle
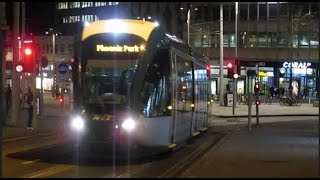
{"type": "Point", "coordinates": [290, 101]}
{"type": "Point", "coordinates": [268, 99]}
{"type": "Point", "coordinates": [244, 99]}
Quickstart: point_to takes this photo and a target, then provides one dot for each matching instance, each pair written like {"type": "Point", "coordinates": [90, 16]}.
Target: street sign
{"type": "Point", "coordinates": [62, 70]}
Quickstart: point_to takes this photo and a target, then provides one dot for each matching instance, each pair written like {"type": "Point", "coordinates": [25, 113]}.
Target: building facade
{"type": "Point", "coordinates": [281, 38]}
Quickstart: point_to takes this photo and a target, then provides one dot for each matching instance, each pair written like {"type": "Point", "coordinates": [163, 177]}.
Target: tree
{"type": "Point", "coordinates": [300, 23]}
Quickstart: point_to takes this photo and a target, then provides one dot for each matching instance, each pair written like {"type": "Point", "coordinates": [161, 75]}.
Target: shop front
{"type": "Point", "coordinates": [277, 75]}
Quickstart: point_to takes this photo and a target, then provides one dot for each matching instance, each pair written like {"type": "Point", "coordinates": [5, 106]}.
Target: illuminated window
{"type": "Point", "coordinates": [88, 18]}
{"type": "Point", "coordinates": [87, 4]}
{"type": "Point", "coordinates": [96, 18]}
{"type": "Point", "coordinates": [74, 5]}
{"type": "Point", "coordinates": [74, 19]}
{"type": "Point", "coordinates": [65, 20]}
{"type": "Point", "coordinates": [97, 4]}
{"type": "Point", "coordinates": [63, 5]}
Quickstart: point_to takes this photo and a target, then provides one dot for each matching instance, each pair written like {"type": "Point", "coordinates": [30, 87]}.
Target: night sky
{"type": "Point", "coordinates": [39, 17]}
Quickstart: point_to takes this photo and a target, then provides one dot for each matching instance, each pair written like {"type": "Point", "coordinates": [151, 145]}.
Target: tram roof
{"type": "Point", "coordinates": [137, 27]}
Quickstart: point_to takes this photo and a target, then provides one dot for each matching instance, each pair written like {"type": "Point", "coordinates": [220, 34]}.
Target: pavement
{"type": "Point", "coordinates": [265, 110]}
{"type": "Point", "coordinates": [284, 147]}
{"type": "Point", "coordinates": [279, 147]}
{"type": "Point", "coordinates": [53, 121]}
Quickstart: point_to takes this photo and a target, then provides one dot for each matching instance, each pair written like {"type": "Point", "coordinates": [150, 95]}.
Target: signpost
{"type": "Point", "coordinates": [63, 70]}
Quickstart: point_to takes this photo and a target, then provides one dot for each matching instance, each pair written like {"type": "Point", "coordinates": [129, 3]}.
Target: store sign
{"type": "Point", "coordinates": [265, 74]}
{"type": "Point", "coordinates": [303, 65]}
{"type": "Point", "coordinates": [262, 73]}
{"type": "Point", "coordinates": [122, 48]}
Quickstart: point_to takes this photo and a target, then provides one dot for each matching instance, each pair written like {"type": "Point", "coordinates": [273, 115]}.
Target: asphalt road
{"type": "Point", "coordinates": [228, 141]}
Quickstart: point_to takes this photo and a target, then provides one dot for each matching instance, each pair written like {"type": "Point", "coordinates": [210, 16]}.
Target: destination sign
{"type": "Point", "coordinates": [118, 48]}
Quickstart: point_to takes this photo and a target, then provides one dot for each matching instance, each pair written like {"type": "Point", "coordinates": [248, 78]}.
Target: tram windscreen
{"type": "Point", "coordinates": [109, 70]}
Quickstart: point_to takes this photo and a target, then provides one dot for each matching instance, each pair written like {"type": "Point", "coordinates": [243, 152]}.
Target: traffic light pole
{"type": "Point", "coordinates": [15, 114]}
{"type": "Point", "coordinates": [257, 97]}
{"type": "Point", "coordinates": [2, 90]}
{"type": "Point", "coordinates": [235, 64]}
{"type": "Point", "coordinates": [249, 101]}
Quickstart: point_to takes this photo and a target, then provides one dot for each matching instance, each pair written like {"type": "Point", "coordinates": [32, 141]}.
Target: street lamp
{"type": "Point", "coordinates": [54, 34]}
{"type": "Point", "coordinates": [188, 19]}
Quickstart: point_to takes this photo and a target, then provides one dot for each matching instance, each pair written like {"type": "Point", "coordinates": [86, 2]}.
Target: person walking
{"type": "Point", "coordinates": [8, 98]}
{"type": "Point", "coordinates": [29, 100]}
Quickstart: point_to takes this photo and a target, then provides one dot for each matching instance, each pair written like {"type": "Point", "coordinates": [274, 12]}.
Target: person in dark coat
{"type": "Point", "coordinates": [8, 98]}
{"type": "Point", "coordinates": [29, 100]}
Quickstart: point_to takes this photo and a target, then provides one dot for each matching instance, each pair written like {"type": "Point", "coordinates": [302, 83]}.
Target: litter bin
{"type": "Point", "coordinates": [228, 99]}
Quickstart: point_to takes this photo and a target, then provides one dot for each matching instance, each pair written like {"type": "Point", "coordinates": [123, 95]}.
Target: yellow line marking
{"type": "Point", "coordinates": [29, 162]}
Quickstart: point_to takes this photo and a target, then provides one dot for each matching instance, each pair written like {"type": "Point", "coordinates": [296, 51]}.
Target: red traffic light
{"type": "Point", "coordinates": [229, 65]}
{"type": "Point", "coordinates": [257, 87]}
{"type": "Point", "coordinates": [72, 60]}
{"type": "Point", "coordinates": [61, 99]}
{"type": "Point", "coordinates": [257, 102]}
{"type": "Point", "coordinates": [27, 51]}
{"type": "Point", "coordinates": [29, 57]}
{"type": "Point", "coordinates": [19, 68]}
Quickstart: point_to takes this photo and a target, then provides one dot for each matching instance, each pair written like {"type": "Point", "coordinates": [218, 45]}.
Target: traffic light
{"type": "Point", "coordinates": [28, 56]}
{"type": "Point", "coordinates": [208, 67]}
{"type": "Point", "coordinates": [61, 99]}
{"type": "Point", "coordinates": [230, 67]}
{"type": "Point", "coordinates": [72, 60]}
{"type": "Point", "coordinates": [257, 102]}
{"type": "Point", "coordinates": [256, 87]}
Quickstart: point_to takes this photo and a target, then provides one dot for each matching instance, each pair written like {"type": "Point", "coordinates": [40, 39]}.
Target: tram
{"type": "Point", "coordinates": [132, 80]}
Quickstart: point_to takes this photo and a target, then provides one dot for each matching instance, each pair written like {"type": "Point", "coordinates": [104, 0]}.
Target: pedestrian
{"type": "Point", "coordinates": [8, 98]}
{"type": "Point", "coordinates": [271, 91]}
{"type": "Point", "coordinates": [28, 101]}
{"type": "Point", "coordinates": [305, 93]}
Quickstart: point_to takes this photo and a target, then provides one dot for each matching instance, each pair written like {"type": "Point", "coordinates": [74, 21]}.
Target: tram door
{"type": "Point", "coordinates": [200, 114]}
{"type": "Point", "coordinates": [182, 96]}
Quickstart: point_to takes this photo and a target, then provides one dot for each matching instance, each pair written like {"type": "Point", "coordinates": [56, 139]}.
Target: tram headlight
{"type": "Point", "coordinates": [128, 124]}
{"type": "Point", "coordinates": [77, 123]}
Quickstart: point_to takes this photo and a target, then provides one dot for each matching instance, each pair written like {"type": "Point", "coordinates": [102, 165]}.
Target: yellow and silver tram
{"type": "Point", "coordinates": [132, 79]}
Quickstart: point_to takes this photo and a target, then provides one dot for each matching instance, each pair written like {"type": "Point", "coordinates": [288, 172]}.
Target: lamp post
{"type": "Point", "coordinates": [221, 56]}
{"type": "Point", "coordinates": [188, 21]}
{"type": "Point", "coordinates": [235, 57]}
{"type": "Point", "coordinates": [54, 34]}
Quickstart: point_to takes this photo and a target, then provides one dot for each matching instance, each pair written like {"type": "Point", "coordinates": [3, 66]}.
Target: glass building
{"type": "Point", "coordinates": [281, 38]}
{"type": "Point", "coordinates": [271, 35]}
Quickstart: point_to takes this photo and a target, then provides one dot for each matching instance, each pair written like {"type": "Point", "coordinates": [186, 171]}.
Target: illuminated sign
{"type": "Point", "coordinates": [296, 65]}
{"type": "Point", "coordinates": [265, 74]}
{"type": "Point", "coordinates": [118, 48]}
{"type": "Point", "coordinates": [262, 73]}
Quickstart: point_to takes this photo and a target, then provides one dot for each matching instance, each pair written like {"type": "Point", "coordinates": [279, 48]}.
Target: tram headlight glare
{"type": "Point", "coordinates": [77, 123]}
{"type": "Point", "coordinates": [128, 124]}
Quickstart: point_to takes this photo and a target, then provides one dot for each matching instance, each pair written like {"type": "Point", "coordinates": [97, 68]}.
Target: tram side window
{"type": "Point", "coordinates": [154, 93]}
{"type": "Point", "coordinates": [184, 79]}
